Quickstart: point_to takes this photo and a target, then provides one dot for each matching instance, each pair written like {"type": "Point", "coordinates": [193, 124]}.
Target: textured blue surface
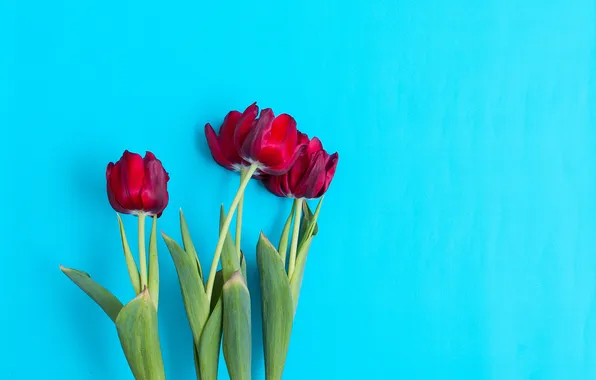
{"type": "Point", "coordinates": [456, 242]}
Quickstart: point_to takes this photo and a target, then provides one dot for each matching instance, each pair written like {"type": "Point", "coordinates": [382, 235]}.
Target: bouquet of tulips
{"type": "Point", "coordinates": [269, 149]}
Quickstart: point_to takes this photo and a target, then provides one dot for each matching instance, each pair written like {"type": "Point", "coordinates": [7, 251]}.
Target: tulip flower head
{"type": "Point", "coordinates": [268, 141]}
{"type": "Point", "coordinates": [222, 146]}
{"type": "Point", "coordinates": [311, 174]}
{"type": "Point", "coordinates": [137, 185]}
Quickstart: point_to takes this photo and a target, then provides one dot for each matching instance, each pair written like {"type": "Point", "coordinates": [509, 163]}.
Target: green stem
{"type": "Point", "coordinates": [239, 216]}
{"type": "Point", "coordinates": [142, 252]}
{"type": "Point", "coordinates": [225, 228]}
{"type": "Point", "coordinates": [295, 235]}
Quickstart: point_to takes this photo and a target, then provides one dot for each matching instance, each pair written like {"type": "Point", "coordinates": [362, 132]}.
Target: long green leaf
{"type": "Point", "coordinates": [106, 300]}
{"type": "Point", "coordinates": [137, 330]}
{"type": "Point", "coordinates": [153, 264]}
{"type": "Point", "coordinates": [187, 242]}
{"type": "Point", "coordinates": [285, 234]}
{"type": "Point", "coordinates": [229, 258]}
{"type": "Point", "coordinates": [133, 271]}
{"type": "Point", "coordinates": [191, 285]}
{"type": "Point", "coordinates": [277, 308]}
{"type": "Point", "coordinates": [236, 327]}
{"type": "Point", "coordinates": [308, 222]}
{"type": "Point", "coordinates": [208, 352]}
{"type": "Point", "coordinates": [296, 280]}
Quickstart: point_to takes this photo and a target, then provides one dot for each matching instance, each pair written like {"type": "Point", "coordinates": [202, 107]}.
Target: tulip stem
{"type": "Point", "coordinates": [142, 252]}
{"type": "Point", "coordinates": [226, 226]}
{"type": "Point", "coordinates": [295, 235]}
{"type": "Point", "coordinates": [239, 215]}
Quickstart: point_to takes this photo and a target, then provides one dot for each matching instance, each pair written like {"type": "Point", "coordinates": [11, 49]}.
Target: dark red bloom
{"type": "Point", "coordinates": [269, 141]}
{"type": "Point", "coordinates": [222, 147]}
{"type": "Point", "coordinates": [137, 185]}
{"type": "Point", "coordinates": [311, 174]}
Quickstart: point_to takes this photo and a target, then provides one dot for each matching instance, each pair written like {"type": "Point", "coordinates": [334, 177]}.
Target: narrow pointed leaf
{"type": "Point", "coordinates": [296, 280]}
{"type": "Point", "coordinates": [243, 267]}
{"type": "Point", "coordinates": [191, 285]}
{"type": "Point", "coordinates": [277, 308]}
{"type": "Point", "coordinates": [189, 247]}
{"type": "Point", "coordinates": [230, 262]}
{"type": "Point", "coordinates": [208, 352]}
{"type": "Point", "coordinates": [283, 241]}
{"type": "Point", "coordinates": [106, 300]}
{"type": "Point", "coordinates": [308, 221]}
{"type": "Point", "coordinates": [137, 330]}
{"type": "Point", "coordinates": [217, 289]}
{"type": "Point", "coordinates": [236, 327]}
{"type": "Point", "coordinates": [153, 264]}
{"type": "Point", "coordinates": [133, 271]}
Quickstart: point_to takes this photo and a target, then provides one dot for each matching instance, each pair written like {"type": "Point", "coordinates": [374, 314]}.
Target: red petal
{"type": "Point", "coordinates": [315, 145]}
{"type": "Point", "coordinates": [314, 178]}
{"type": "Point", "coordinates": [285, 166]}
{"type": "Point", "coordinates": [252, 144]}
{"type": "Point", "coordinates": [244, 126]}
{"type": "Point", "coordinates": [132, 173]}
{"type": "Point", "coordinates": [111, 196]}
{"type": "Point", "coordinates": [155, 186]}
{"type": "Point", "coordinates": [118, 186]}
{"type": "Point", "coordinates": [273, 184]}
{"type": "Point", "coordinates": [284, 127]}
{"type": "Point", "coordinates": [330, 167]}
{"type": "Point", "coordinates": [215, 149]}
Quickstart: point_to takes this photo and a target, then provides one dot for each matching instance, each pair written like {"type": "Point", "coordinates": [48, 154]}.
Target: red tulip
{"type": "Point", "coordinates": [270, 142]}
{"type": "Point", "coordinates": [222, 147]}
{"type": "Point", "coordinates": [311, 174]}
{"type": "Point", "coordinates": [137, 185]}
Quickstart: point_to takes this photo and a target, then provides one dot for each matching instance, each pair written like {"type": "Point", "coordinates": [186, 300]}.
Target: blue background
{"type": "Point", "coordinates": [457, 239]}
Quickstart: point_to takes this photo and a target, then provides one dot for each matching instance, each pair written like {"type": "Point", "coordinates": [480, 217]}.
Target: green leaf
{"type": "Point", "coordinates": [229, 258]}
{"type": "Point", "coordinates": [187, 243]}
{"type": "Point", "coordinates": [283, 241]}
{"type": "Point", "coordinates": [236, 327]}
{"type": "Point", "coordinates": [243, 267]}
{"type": "Point", "coordinates": [308, 221]}
{"type": "Point", "coordinates": [133, 271]}
{"type": "Point", "coordinates": [296, 280]}
{"type": "Point", "coordinates": [106, 300]}
{"type": "Point", "coordinates": [208, 353]}
{"type": "Point", "coordinates": [217, 289]}
{"type": "Point", "coordinates": [153, 264]}
{"type": "Point", "coordinates": [196, 357]}
{"type": "Point", "coordinates": [277, 308]}
{"type": "Point", "coordinates": [137, 330]}
{"type": "Point", "coordinates": [191, 285]}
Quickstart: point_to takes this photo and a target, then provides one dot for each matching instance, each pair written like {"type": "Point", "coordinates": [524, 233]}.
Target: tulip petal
{"type": "Point", "coordinates": [314, 178]}
{"type": "Point", "coordinates": [154, 191]}
{"type": "Point", "coordinates": [330, 167]}
{"type": "Point", "coordinates": [214, 148]}
{"type": "Point", "coordinates": [111, 196]}
{"type": "Point", "coordinates": [251, 146]}
{"type": "Point", "coordinates": [286, 166]}
{"type": "Point", "coordinates": [244, 126]}
{"type": "Point", "coordinates": [132, 175]}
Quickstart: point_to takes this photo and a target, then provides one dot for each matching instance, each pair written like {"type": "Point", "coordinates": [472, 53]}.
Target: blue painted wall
{"type": "Point", "coordinates": [457, 240]}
